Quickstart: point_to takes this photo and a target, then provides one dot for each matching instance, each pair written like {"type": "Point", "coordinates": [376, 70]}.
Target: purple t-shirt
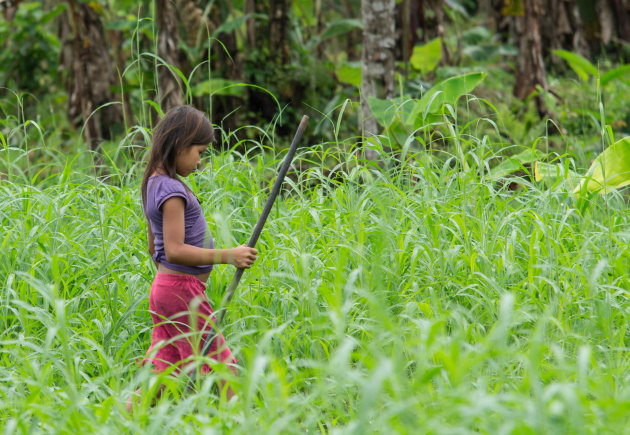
{"type": "Point", "coordinates": [160, 188]}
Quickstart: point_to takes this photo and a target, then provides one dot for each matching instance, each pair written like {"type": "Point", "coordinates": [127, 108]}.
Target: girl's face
{"type": "Point", "coordinates": [188, 159]}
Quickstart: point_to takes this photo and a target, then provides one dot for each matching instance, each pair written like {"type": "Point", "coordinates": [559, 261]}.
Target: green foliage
{"type": "Point", "coordinates": [415, 299]}
{"type": "Point", "coordinates": [350, 74]}
{"type": "Point", "coordinates": [425, 58]}
{"type": "Point", "coordinates": [515, 163]}
{"type": "Point", "coordinates": [218, 86]}
{"type": "Point", "coordinates": [582, 67]}
{"type": "Point", "coordinates": [340, 27]}
{"type": "Point", "coordinates": [620, 72]}
{"type": "Point", "coordinates": [30, 49]}
{"type": "Point", "coordinates": [449, 91]}
{"type": "Point", "coordinates": [585, 69]}
{"type": "Point", "coordinates": [480, 45]}
{"type": "Point", "coordinates": [557, 175]}
{"type": "Point", "coordinates": [234, 23]}
{"type": "Point", "coordinates": [610, 170]}
{"type": "Point", "coordinates": [421, 297]}
{"type": "Point", "coordinates": [402, 117]}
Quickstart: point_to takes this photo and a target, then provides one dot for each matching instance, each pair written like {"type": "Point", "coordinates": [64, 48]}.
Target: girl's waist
{"type": "Point", "coordinates": [164, 270]}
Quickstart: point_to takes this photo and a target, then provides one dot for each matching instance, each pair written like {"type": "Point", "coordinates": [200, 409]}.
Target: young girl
{"type": "Point", "coordinates": [181, 245]}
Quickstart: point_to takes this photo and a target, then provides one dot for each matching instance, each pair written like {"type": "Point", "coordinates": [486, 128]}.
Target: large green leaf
{"type": "Point", "coordinates": [425, 58]}
{"type": "Point", "coordinates": [410, 114]}
{"type": "Point", "coordinates": [579, 64]}
{"type": "Point", "coordinates": [615, 73]}
{"type": "Point", "coordinates": [218, 86]}
{"type": "Point", "coordinates": [383, 110]}
{"type": "Point", "coordinates": [449, 91]}
{"type": "Point", "coordinates": [340, 27]}
{"type": "Point", "coordinates": [552, 174]}
{"type": "Point", "coordinates": [514, 163]}
{"type": "Point", "coordinates": [610, 170]}
{"type": "Point", "coordinates": [391, 115]}
{"type": "Point", "coordinates": [476, 35]}
{"type": "Point", "coordinates": [350, 74]}
{"type": "Point", "coordinates": [401, 117]}
{"type": "Point", "coordinates": [481, 53]}
{"type": "Point", "coordinates": [231, 25]}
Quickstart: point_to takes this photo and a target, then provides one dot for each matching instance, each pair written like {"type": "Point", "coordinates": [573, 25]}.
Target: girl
{"type": "Point", "coordinates": [181, 245]}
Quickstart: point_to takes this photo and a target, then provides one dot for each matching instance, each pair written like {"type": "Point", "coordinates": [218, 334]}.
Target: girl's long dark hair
{"type": "Point", "coordinates": [181, 127]}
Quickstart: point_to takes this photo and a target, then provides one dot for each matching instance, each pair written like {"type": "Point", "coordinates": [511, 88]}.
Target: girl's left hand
{"type": "Point", "coordinates": [243, 256]}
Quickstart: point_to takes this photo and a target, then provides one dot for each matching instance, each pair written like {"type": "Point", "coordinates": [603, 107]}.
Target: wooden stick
{"type": "Point", "coordinates": [255, 235]}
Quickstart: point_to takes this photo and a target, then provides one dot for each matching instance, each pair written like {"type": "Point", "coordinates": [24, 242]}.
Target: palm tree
{"type": "Point", "coordinates": [88, 73]}
{"type": "Point", "coordinates": [169, 87]}
{"type": "Point", "coordinates": [377, 60]}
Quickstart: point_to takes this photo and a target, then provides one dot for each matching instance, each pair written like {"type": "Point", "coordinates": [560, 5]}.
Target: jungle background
{"type": "Point", "coordinates": [449, 253]}
{"type": "Point", "coordinates": [110, 66]}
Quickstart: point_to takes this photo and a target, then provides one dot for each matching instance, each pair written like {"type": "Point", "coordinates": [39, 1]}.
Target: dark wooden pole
{"type": "Point", "coordinates": [255, 235]}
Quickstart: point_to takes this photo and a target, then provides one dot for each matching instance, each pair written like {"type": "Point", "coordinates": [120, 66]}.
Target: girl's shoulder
{"type": "Point", "coordinates": [163, 181]}
{"type": "Point", "coordinates": [161, 187]}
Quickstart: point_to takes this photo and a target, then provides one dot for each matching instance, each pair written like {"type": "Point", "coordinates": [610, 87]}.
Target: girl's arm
{"type": "Point", "coordinates": [178, 252]}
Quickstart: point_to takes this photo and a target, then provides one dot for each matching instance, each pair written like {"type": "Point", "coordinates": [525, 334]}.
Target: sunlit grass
{"type": "Point", "coordinates": [418, 299]}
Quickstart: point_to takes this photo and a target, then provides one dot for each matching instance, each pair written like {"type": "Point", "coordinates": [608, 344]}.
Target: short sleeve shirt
{"type": "Point", "coordinates": [160, 188]}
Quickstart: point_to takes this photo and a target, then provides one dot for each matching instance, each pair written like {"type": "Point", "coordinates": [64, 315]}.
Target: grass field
{"type": "Point", "coordinates": [422, 298]}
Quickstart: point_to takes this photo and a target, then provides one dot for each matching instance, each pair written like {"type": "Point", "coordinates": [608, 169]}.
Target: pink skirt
{"type": "Point", "coordinates": [182, 322]}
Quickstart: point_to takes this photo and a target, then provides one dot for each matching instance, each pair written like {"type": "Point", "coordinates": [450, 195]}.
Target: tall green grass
{"type": "Point", "coordinates": [421, 298]}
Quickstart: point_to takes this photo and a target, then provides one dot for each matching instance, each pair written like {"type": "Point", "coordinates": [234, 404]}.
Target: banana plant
{"type": "Point", "coordinates": [518, 162]}
{"type": "Point", "coordinates": [402, 117]}
{"type": "Point", "coordinates": [609, 171]}
{"type": "Point", "coordinates": [585, 69]}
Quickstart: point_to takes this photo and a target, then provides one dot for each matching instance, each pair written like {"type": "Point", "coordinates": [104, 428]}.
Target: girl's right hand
{"type": "Point", "coordinates": [243, 256]}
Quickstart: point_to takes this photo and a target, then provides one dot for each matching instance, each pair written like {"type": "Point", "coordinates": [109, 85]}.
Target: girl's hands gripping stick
{"type": "Point", "coordinates": [242, 256]}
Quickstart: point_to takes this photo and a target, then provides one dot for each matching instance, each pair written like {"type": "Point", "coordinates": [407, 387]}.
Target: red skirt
{"type": "Point", "coordinates": [182, 322]}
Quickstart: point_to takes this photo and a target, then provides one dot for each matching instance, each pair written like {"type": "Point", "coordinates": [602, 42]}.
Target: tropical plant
{"type": "Point", "coordinates": [609, 171]}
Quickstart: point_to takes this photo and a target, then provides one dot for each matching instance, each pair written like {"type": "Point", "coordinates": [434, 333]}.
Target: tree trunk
{"type": "Point", "coordinates": [279, 31]}
{"type": "Point", "coordinates": [250, 8]}
{"type": "Point", "coordinates": [84, 55]}
{"type": "Point", "coordinates": [613, 20]}
{"type": "Point", "coordinates": [9, 9]}
{"type": "Point", "coordinates": [531, 68]}
{"type": "Point", "coordinates": [193, 21]}
{"type": "Point", "coordinates": [226, 61]}
{"type": "Point", "coordinates": [606, 20]}
{"type": "Point", "coordinates": [406, 35]}
{"type": "Point", "coordinates": [623, 21]}
{"type": "Point", "coordinates": [576, 35]}
{"type": "Point", "coordinates": [377, 60]}
{"type": "Point", "coordinates": [116, 39]}
{"type": "Point", "coordinates": [562, 28]}
{"type": "Point", "coordinates": [169, 84]}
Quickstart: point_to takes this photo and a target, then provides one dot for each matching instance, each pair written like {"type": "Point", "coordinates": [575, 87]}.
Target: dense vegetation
{"type": "Point", "coordinates": [441, 288]}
